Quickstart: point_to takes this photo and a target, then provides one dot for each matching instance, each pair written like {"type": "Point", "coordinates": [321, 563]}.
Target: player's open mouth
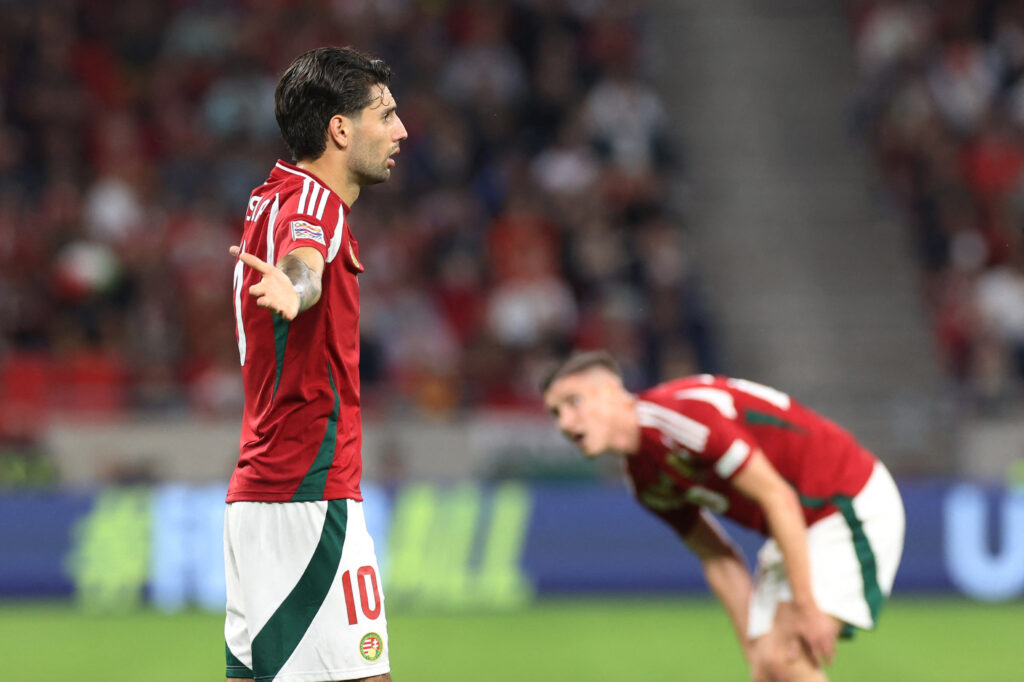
{"type": "Point", "coordinates": [391, 159]}
{"type": "Point", "coordinates": [576, 438]}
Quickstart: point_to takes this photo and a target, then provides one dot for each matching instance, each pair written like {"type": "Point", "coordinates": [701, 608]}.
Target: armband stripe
{"type": "Point", "coordinates": [733, 458]}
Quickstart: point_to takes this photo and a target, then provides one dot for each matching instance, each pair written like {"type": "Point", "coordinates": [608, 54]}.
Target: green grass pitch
{"type": "Point", "coordinates": [591, 640]}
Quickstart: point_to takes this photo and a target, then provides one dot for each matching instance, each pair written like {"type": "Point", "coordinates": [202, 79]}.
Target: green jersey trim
{"type": "Point", "coordinates": [765, 419]}
{"type": "Point", "coordinates": [281, 329]}
{"type": "Point", "coordinates": [315, 481]}
{"type": "Point", "coordinates": [275, 643]}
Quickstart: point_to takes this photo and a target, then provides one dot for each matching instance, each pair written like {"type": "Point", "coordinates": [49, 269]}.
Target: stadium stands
{"type": "Point", "coordinates": [527, 213]}
{"type": "Point", "coordinates": [941, 108]}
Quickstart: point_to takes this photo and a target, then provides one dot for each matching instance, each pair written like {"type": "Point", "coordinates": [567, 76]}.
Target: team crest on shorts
{"type": "Point", "coordinates": [371, 646]}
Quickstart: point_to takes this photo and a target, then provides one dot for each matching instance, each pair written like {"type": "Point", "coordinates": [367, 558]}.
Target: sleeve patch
{"type": "Point", "coordinates": [735, 456]}
{"type": "Point", "coordinates": [303, 230]}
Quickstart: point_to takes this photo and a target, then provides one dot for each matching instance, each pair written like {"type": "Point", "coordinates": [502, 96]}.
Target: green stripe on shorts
{"type": "Point", "coordinates": [865, 555]}
{"type": "Point", "coordinates": [235, 667]}
{"type": "Point", "coordinates": [275, 643]}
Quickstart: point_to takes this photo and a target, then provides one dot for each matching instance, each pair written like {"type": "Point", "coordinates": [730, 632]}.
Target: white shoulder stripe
{"type": "Point", "coordinates": [307, 182]}
{"type": "Point", "coordinates": [688, 432]}
{"type": "Point", "coordinates": [302, 199]}
{"type": "Point", "coordinates": [323, 205]}
{"type": "Point", "coordinates": [314, 194]}
{"type": "Point", "coordinates": [721, 400]}
{"type": "Point", "coordinates": [339, 232]}
{"type": "Point", "coordinates": [736, 455]}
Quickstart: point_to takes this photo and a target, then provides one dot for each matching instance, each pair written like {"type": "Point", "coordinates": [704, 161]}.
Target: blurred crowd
{"type": "Point", "coordinates": [942, 105]}
{"type": "Point", "coordinates": [531, 209]}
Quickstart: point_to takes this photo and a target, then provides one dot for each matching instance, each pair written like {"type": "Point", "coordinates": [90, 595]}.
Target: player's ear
{"type": "Point", "coordinates": [339, 131]}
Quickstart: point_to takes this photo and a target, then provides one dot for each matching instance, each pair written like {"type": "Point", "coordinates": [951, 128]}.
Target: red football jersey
{"type": "Point", "coordinates": [697, 432]}
{"type": "Point", "coordinates": [301, 427]}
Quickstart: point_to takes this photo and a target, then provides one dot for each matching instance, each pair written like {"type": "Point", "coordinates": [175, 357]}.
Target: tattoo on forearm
{"type": "Point", "coordinates": [305, 281]}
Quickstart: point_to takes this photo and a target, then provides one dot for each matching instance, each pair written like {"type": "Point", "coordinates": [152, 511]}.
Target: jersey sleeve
{"type": "Point", "coordinates": [312, 217]}
{"type": "Point", "coordinates": [295, 230]}
{"type": "Point", "coordinates": [726, 446]}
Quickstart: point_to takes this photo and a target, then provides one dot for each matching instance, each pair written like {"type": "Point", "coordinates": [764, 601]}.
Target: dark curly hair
{"type": "Point", "coordinates": [320, 84]}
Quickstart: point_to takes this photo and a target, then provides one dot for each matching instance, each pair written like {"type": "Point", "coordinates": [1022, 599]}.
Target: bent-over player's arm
{"type": "Point", "coordinates": [760, 481]}
{"type": "Point", "coordinates": [290, 287]}
{"type": "Point", "coordinates": [725, 570]}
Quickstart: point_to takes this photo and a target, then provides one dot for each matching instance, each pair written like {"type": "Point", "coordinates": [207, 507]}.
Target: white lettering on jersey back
{"type": "Point", "coordinates": [721, 400]}
{"type": "Point", "coordinates": [271, 223]}
{"type": "Point", "coordinates": [689, 433]}
{"type": "Point", "coordinates": [262, 208]}
{"type": "Point", "coordinates": [254, 201]}
{"type": "Point", "coordinates": [236, 286]}
{"type": "Point", "coordinates": [736, 455]}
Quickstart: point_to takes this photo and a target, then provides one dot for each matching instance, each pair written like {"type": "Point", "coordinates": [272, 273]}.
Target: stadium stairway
{"type": "Point", "coordinates": [813, 289]}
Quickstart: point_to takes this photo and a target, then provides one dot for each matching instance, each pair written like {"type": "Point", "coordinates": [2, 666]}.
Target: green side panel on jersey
{"type": "Point", "coordinates": [235, 667]}
{"type": "Point", "coordinates": [764, 419]}
{"type": "Point", "coordinates": [275, 643]}
{"type": "Point", "coordinates": [861, 545]}
{"type": "Point", "coordinates": [315, 481]}
{"type": "Point", "coordinates": [281, 328]}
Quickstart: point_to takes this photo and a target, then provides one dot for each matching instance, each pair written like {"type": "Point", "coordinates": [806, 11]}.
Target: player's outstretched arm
{"type": "Point", "coordinates": [290, 287]}
{"type": "Point", "coordinates": [759, 481]}
{"type": "Point", "coordinates": [726, 572]}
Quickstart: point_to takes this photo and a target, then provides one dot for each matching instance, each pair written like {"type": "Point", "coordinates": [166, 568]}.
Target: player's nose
{"type": "Point", "coordinates": [400, 132]}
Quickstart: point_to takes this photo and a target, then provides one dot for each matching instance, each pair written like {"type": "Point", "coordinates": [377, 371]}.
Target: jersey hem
{"type": "Point", "coordinates": [247, 496]}
{"type": "Point", "coordinates": [321, 675]}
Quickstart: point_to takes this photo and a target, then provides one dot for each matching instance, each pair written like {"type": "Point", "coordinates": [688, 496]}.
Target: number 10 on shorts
{"type": "Point", "coordinates": [366, 580]}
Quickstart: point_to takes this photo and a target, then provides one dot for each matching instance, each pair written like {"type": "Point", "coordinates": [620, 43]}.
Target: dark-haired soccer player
{"type": "Point", "coordinates": [304, 599]}
{"type": "Point", "coordinates": [706, 444]}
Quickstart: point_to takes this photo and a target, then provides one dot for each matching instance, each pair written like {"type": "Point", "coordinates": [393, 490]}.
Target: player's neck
{"type": "Point", "coordinates": [629, 429]}
{"type": "Point", "coordinates": [335, 178]}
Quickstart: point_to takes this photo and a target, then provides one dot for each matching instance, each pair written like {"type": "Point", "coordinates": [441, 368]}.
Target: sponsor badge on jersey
{"type": "Point", "coordinates": [371, 646]}
{"type": "Point", "coordinates": [303, 230]}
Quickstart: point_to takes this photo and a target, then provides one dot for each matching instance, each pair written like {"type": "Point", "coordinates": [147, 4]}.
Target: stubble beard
{"type": "Point", "coordinates": [368, 177]}
{"type": "Point", "coordinates": [369, 172]}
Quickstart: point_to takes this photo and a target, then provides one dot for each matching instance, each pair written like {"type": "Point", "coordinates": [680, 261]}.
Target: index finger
{"type": "Point", "coordinates": [255, 263]}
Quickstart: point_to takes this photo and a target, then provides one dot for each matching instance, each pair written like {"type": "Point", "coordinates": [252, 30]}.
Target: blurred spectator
{"type": "Point", "coordinates": [941, 108]}
{"type": "Point", "coordinates": [527, 215]}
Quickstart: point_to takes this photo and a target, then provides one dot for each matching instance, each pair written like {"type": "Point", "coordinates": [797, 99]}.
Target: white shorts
{"type": "Point", "coordinates": [304, 599]}
{"type": "Point", "coordinates": [854, 554]}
